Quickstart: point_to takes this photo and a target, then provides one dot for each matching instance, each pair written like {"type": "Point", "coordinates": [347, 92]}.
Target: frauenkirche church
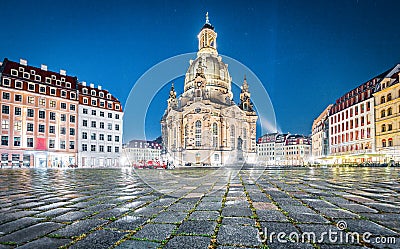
{"type": "Point", "coordinates": [203, 126]}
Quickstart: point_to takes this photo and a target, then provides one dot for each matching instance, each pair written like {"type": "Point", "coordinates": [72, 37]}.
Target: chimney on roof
{"type": "Point", "coordinates": [63, 72]}
{"type": "Point", "coordinates": [23, 62]}
{"type": "Point", "coordinates": [99, 87]}
{"type": "Point", "coordinates": [43, 67]}
{"type": "Point", "coordinates": [83, 83]}
{"type": "Point", "coordinates": [91, 85]}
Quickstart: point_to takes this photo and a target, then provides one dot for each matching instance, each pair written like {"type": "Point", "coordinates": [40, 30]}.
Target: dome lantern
{"type": "Point", "coordinates": [207, 38]}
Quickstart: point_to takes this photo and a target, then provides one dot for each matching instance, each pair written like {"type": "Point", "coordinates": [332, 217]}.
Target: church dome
{"type": "Point", "coordinates": [215, 71]}
{"type": "Point", "coordinates": [208, 63]}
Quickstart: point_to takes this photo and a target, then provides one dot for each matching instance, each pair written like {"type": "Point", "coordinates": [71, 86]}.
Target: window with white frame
{"type": "Point", "coordinates": [42, 101]}
{"type": "Point", "coordinates": [18, 84]}
{"type": "Point", "coordinates": [198, 133]}
{"type": "Point", "coordinates": [31, 99]}
{"type": "Point", "coordinates": [17, 125]}
{"type": "Point", "coordinates": [5, 124]}
{"type": "Point", "coordinates": [53, 103]}
{"type": "Point", "coordinates": [42, 89]}
{"type": "Point", "coordinates": [53, 91]}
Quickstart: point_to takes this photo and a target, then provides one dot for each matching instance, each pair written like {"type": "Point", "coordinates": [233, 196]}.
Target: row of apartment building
{"type": "Point", "coordinates": [363, 125]}
{"type": "Point", "coordinates": [283, 149]}
{"type": "Point", "coordinates": [141, 151]}
{"type": "Point", "coordinates": [50, 119]}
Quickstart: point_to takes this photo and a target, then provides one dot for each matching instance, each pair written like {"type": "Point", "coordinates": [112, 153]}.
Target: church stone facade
{"type": "Point", "coordinates": [203, 126]}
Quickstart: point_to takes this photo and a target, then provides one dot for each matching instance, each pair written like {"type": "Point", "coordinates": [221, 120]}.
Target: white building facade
{"type": "Point", "coordinates": [352, 125]}
{"type": "Point", "coordinates": [141, 151]}
{"type": "Point", "coordinates": [266, 149]}
{"type": "Point", "coordinates": [100, 121]}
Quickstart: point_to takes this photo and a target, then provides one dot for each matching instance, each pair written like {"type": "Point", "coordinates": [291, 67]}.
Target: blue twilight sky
{"type": "Point", "coordinates": [306, 53]}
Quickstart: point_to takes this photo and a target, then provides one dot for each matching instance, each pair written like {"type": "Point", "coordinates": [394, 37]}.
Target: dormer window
{"type": "Point", "coordinates": [94, 102]}
{"type": "Point", "coordinates": [101, 94]}
{"type": "Point", "coordinates": [18, 84]}
{"type": "Point", "coordinates": [58, 82]}
{"type": "Point", "coordinates": [42, 89]}
{"type": "Point", "coordinates": [26, 75]}
{"type": "Point", "coordinates": [21, 69]}
{"type": "Point", "coordinates": [31, 87]}
{"type": "Point", "coordinates": [85, 100]}
{"type": "Point", "coordinates": [117, 107]}
{"type": "Point", "coordinates": [52, 91]}
{"type": "Point", "coordinates": [62, 79]}
{"type": "Point", "coordinates": [38, 78]}
{"type": "Point", "coordinates": [108, 96]}
{"type": "Point", "coordinates": [33, 72]}
{"type": "Point", "coordinates": [93, 93]}
{"type": "Point", "coordinates": [6, 82]}
{"type": "Point", "coordinates": [102, 104]}
{"type": "Point", "coordinates": [109, 105]}
{"type": "Point", "coordinates": [84, 91]}
{"type": "Point", "coordinates": [53, 77]}
{"type": "Point", "coordinates": [68, 85]}
{"type": "Point", "coordinates": [14, 72]}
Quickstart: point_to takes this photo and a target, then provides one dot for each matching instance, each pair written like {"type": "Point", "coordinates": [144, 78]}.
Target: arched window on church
{"type": "Point", "coordinates": [215, 135]}
{"type": "Point", "coordinates": [233, 140]}
{"type": "Point", "coordinates": [198, 133]}
{"type": "Point", "coordinates": [244, 138]}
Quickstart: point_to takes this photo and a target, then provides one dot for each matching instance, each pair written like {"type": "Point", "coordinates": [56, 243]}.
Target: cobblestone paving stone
{"type": "Point", "coordinates": [115, 208]}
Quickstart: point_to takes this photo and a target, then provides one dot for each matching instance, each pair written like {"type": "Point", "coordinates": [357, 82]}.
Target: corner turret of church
{"type": "Point", "coordinates": [245, 102]}
{"type": "Point", "coordinates": [172, 101]}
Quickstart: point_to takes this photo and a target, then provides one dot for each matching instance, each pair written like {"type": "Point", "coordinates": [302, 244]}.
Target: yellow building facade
{"type": "Point", "coordinates": [387, 117]}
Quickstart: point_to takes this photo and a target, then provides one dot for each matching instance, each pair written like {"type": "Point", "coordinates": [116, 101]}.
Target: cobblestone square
{"type": "Point", "coordinates": [248, 208]}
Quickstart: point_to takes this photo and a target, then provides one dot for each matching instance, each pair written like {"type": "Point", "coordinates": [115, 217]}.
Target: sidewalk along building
{"type": "Point", "coordinates": [137, 152]}
{"type": "Point", "coordinates": [320, 137]}
{"type": "Point", "coordinates": [38, 116]}
{"type": "Point", "coordinates": [204, 125]}
{"type": "Point", "coordinates": [266, 149]}
{"type": "Point", "coordinates": [100, 127]}
{"type": "Point", "coordinates": [387, 114]}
